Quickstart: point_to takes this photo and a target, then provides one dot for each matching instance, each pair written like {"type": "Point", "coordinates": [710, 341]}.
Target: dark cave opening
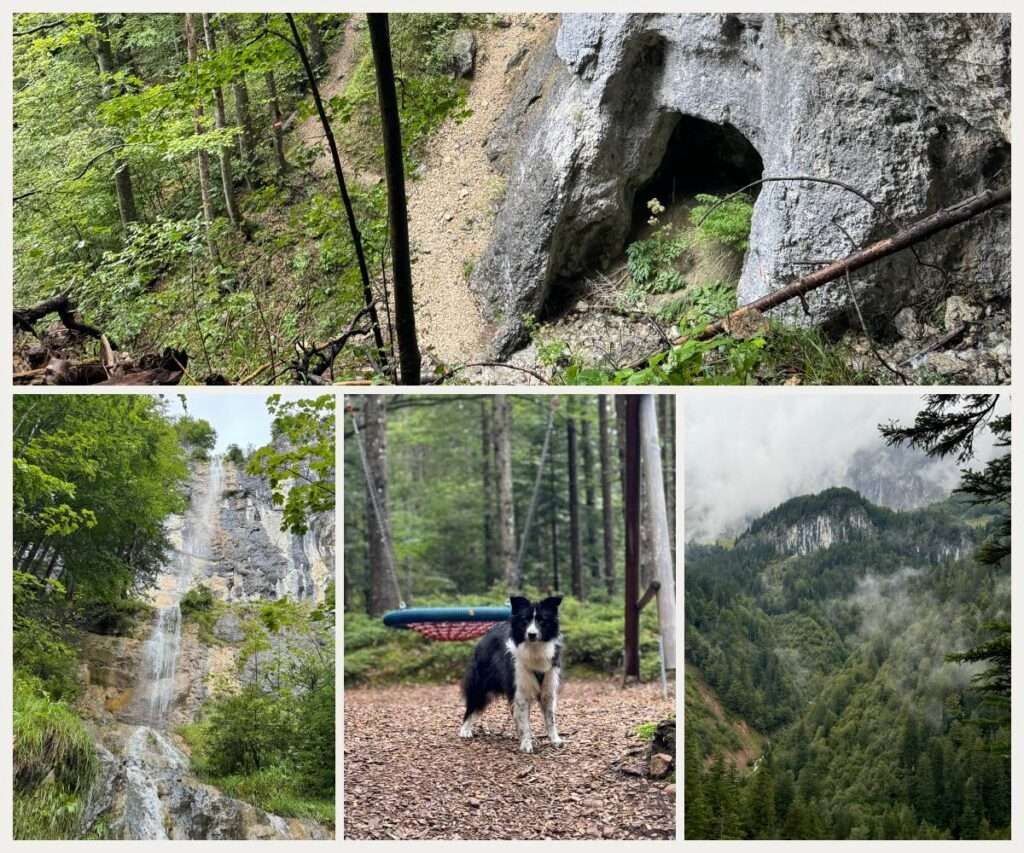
{"type": "Point", "coordinates": [700, 157]}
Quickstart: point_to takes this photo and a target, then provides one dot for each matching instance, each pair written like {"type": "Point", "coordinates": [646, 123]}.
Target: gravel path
{"type": "Point", "coordinates": [453, 202]}
{"type": "Point", "coordinates": [408, 775]}
{"type": "Point", "coordinates": [341, 63]}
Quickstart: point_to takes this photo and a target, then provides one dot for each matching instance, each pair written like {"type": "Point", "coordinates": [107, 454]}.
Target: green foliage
{"type": "Point", "coordinates": [645, 731]}
{"type": "Point", "coordinates": [54, 764]}
{"type": "Point", "coordinates": [376, 654]}
{"type": "Point", "coordinates": [196, 436]}
{"type": "Point", "coordinates": [728, 223]}
{"type": "Point", "coordinates": [652, 263]}
{"type": "Point", "coordinates": [268, 736]}
{"type": "Point", "coordinates": [842, 656]}
{"type": "Point", "coordinates": [234, 454]}
{"type": "Point", "coordinates": [95, 477]}
{"type": "Point", "coordinates": [41, 634]}
{"type": "Point", "coordinates": [299, 464]}
{"type": "Point", "coordinates": [154, 283]}
{"type": "Point", "coordinates": [199, 599]}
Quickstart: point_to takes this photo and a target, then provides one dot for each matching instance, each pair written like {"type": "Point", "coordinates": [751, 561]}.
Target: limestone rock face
{"type": "Point", "coordinates": [912, 110]}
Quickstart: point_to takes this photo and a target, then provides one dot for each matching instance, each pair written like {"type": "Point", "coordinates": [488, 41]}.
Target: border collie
{"type": "Point", "coordinates": [520, 659]}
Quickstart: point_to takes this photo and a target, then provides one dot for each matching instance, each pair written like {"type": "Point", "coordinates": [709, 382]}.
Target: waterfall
{"type": "Point", "coordinates": [150, 756]}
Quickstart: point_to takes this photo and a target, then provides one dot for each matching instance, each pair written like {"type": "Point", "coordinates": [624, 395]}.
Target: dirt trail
{"type": "Point", "coordinates": [408, 775]}
{"type": "Point", "coordinates": [341, 62]}
{"type": "Point", "coordinates": [453, 202]}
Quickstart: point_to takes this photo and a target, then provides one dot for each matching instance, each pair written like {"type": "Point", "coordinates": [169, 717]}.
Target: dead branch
{"type": "Point", "coordinates": [39, 28]}
{"type": "Point", "coordinates": [316, 361]}
{"type": "Point", "coordinates": [65, 308]}
{"type": "Point", "coordinates": [935, 223]}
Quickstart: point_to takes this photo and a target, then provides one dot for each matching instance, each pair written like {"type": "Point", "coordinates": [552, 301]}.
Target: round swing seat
{"type": "Point", "coordinates": [447, 623]}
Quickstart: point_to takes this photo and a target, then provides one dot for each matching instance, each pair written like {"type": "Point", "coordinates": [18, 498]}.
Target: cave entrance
{"type": "Point", "coordinates": [700, 157]}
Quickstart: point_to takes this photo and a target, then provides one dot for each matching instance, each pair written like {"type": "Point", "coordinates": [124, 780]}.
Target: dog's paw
{"type": "Point", "coordinates": [466, 731]}
{"type": "Point", "coordinates": [556, 740]}
{"type": "Point", "coordinates": [526, 746]}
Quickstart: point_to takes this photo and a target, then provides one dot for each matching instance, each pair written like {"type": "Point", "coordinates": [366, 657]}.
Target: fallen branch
{"type": "Point", "coordinates": [924, 228]}
{"type": "Point", "coordinates": [324, 355]}
{"type": "Point", "coordinates": [939, 343]}
{"type": "Point", "coordinates": [64, 307]}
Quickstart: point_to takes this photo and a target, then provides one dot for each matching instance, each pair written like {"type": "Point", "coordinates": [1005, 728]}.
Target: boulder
{"type": "Point", "coordinates": [912, 110]}
{"type": "Point", "coordinates": [463, 53]}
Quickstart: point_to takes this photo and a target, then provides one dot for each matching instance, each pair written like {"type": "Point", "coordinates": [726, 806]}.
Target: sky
{"type": "Point", "coordinates": [747, 453]}
{"type": "Point", "coordinates": [239, 417]}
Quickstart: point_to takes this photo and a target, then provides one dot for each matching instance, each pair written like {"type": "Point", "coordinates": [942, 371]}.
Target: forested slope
{"type": "Point", "coordinates": [828, 626]}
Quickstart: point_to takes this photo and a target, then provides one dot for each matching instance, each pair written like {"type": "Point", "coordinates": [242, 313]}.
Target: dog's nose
{"type": "Point", "coordinates": [531, 635]}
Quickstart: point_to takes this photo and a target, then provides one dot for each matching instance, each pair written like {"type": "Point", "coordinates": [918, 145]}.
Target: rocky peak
{"type": "Point", "coordinates": [812, 522]}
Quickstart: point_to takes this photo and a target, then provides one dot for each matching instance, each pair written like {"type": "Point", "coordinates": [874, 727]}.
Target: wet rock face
{"type": "Point", "coordinates": [256, 559]}
{"type": "Point", "coordinates": [912, 110]}
{"type": "Point", "coordinates": [146, 792]}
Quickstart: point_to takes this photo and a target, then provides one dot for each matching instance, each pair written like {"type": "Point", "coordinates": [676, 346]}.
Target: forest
{"type": "Point", "coordinates": [340, 199]}
{"type": "Point", "coordinates": [860, 687]}
{"type": "Point", "coordinates": [485, 495]}
{"type": "Point", "coordinates": [458, 502]}
{"type": "Point", "coordinates": [123, 602]}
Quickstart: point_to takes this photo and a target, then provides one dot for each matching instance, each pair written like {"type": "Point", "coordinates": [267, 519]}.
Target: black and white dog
{"type": "Point", "coordinates": [521, 660]}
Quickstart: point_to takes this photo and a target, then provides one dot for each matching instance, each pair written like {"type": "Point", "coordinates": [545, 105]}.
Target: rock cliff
{"type": "Point", "coordinates": [912, 110]}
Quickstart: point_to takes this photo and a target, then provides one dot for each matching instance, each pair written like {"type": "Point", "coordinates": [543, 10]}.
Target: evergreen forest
{"type": "Point", "coordinates": [857, 686]}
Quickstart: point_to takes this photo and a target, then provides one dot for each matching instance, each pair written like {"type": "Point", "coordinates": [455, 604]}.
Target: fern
{"type": "Point", "coordinates": [728, 224]}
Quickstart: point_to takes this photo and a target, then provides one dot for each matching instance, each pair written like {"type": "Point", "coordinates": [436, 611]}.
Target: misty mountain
{"type": "Point", "coordinates": [898, 478]}
{"type": "Point", "coordinates": [827, 628]}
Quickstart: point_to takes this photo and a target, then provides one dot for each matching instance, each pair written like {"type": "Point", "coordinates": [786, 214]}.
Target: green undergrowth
{"type": "Point", "coordinates": [684, 273]}
{"type": "Point", "coordinates": [378, 655]}
{"type": "Point", "coordinates": [266, 735]}
{"type": "Point", "coordinates": [54, 764]}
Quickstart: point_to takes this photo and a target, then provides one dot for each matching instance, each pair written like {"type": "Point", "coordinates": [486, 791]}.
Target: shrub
{"type": "Point", "coordinates": [54, 764]}
{"type": "Point", "coordinates": [728, 224]}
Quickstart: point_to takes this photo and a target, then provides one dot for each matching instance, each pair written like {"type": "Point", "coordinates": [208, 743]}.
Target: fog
{"type": "Point", "coordinates": [745, 453]}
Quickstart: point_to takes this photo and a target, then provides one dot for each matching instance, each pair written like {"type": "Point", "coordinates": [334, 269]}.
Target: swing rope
{"type": "Point", "coordinates": [536, 492]}
{"type": "Point", "coordinates": [377, 511]}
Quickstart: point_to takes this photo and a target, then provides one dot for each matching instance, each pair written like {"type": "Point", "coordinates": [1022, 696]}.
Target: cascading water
{"type": "Point", "coordinates": [151, 758]}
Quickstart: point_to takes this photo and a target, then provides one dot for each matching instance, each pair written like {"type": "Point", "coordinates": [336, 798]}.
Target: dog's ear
{"type": "Point", "coordinates": [551, 602]}
{"type": "Point", "coordinates": [519, 603]}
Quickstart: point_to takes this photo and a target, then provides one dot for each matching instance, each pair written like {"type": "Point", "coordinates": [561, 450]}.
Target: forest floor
{"type": "Point", "coordinates": [409, 775]}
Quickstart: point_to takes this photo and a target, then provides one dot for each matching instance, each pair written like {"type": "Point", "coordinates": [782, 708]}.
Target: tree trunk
{"type": "Point", "coordinates": [575, 548]}
{"type": "Point", "coordinates": [506, 508]}
{"type": "Point", "coordinates": [243, 115]}
{"type": "Point", "coordinates": [398, 216]}
{"type": "Point", "coordinates": [276, 122]}
{"type": "Point", "coordinates": [384, 582]}
{"type": "Point", "coordinates": [220, 122]}
{"type": "Point", "coordinates": [316, 43]}
{"type": "Point", "coordinates": [122, 175]}
{"type": "Point", "coordinates": [650, 454]}
{"type": "Point", "coordinates": [556, 575]}
{"type": "Point", "coordinates": [487, 481]}
{"type": "Point", "coordinates": [202, 157]}
{"type": "Point", "coordinates": [666, 410]}
{"type": "Point", "coordinates": [369, 300]}
{"type": "Point", "coordinates": [590, 501]}
{"type": "Point", "coordinates": [606, 495]}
